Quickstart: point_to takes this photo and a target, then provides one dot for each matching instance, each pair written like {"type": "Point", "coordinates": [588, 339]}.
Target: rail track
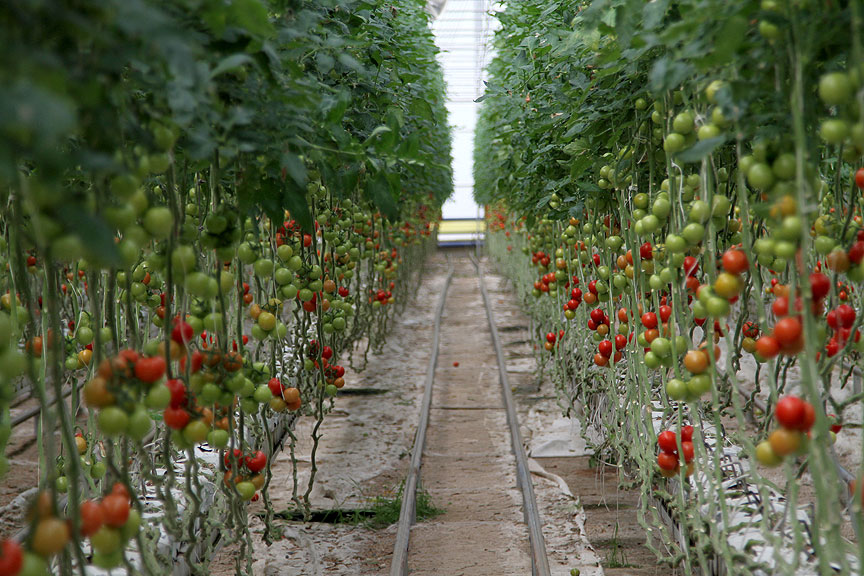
{"type": "Point", "coordinates": [531, 517]}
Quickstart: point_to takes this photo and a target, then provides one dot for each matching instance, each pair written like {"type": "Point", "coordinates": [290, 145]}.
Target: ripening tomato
{"type": "Point", "coordinates": [50, 536]}
{"type": "Point", "coordinates": [696, 361]}
{"type": "Point", "coordinates": [784, 441]}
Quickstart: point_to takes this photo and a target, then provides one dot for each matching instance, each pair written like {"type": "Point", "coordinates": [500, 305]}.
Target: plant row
{"type": "Point", "coordinates": [684, 178]}
{"type": "Point", "coordinates": [208, 211]}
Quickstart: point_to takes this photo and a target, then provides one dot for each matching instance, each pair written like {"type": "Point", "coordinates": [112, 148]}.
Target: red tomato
{"type": "Point", "coordinates": [820, 285]}
{"type": "Point", "coordinates": [150, 370]}
{"type": "Point", "coordinates": [845, 316]}
{"type": "Point", "coordinates": [856, 252]}
{"type": "Point", "coordinates": [667, 461]}
{"type": "Point", "coordinates": [11, 557]}
{"type": "Point", "coordinates": [691, 266]}
{"type": "Point", "coordinates": [646, 251]}
{"type": "Point", "coordinates": [178, 392]}
{"type": "Point", "coordinates": [687, 434]}
{"type": "Point", "coordinates": [787, 331]}
{"type": "Point", "coordinates": [790, 412]}
{"type": "Point", "coordinates": [276, 387]}
{"type": "Point", "coordinates": [649, 320]}
{"type": "Point", "coordinates": [809, 417]}
{"type": "Point", "coordinates": [605, 348]}
{"type": "Point", "coordinates": [859, 178]}
{"type": "Point", "coordinates": [667, 442]}
{"type": "Point", "coordinates": [687, 451]}
{"type": "Point", "coordinates": [780, 307]}
{"type": "Point", "coordinates": [665, 313]}
{"type": "Point", "coordinates": [115, 509]}
{"type": "Point", "coordinates": [767, 347]}
{"type": "Point", "coordinates": [176, 418]}
{"type": "Point", "coordinates": [620, 342]}
{"type": "Point", "coordinates": [182, 333]}
{"type": "Point", "coordinates": [256, 462]}
{"type": "Point", "coordinates": [92, 517]}
{"type": "Point", "coordinates": [735, 261]}
{"type": "Point", "coordinates": [751, 330]}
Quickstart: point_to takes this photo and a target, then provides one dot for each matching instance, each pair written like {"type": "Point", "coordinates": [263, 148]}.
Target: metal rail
{"type": "Point", "coordinates": [539, 560]}
{"type": "Point", "coordinates": [408, 512]}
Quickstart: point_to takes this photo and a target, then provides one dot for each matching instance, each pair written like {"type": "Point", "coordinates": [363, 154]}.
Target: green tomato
{"type": "Point", "coordinates": [284, 252]}
{"type": "Point", "coordinates": [246, 253]}
{"type": "Point", "coordinates": [158, 397]}
{"type": "Point", "coordinates": [675, 244]}
{"type": "Point", "coordinates": [113, 421]}
{"type": "Point", "coordinates": [661, 347]}
{"type": "Point", "coordinates": [62, 484]}
{"type": "Point", "coordinates": [834, 130]}
{"type": "Point", "coordinates": [652, 362]}
{"type": "Point", "coordinates": [674, 142]}
{"type": "Point", "coordinates": [133, 524]}
{"type": "Point", "coordinates": [835, 88]}
{"type": "Point", "coordinates": [698, 385]}
{"type": "Point", "coordinates": [84, 336]}
{"type": "Point", "coordinates": [106, 540]}
{"type": "Point", "coordinates": [246, 490]}
{"type": "Point", "coordinates": [331, 390]}
{"type": "Point", "coordinates": [693, 233]}
{"type": "Point", "coordinates": [196, 432]}
{"type": "Point", "coordinates": [676, 389]}
{"type": "Point", "coordinates": [158, 222]}
{"type": "Point", "coordinates": [262, 394]}
{"type": "Point", "coordinates": [760, 176]}
{"type": "Point", "coordinates": [34, 565]}
{"type": "Point", "coordinates": [683, 123]}
{"type": "Point", "coordinates": [98, 470]}
{"type": "Point", "coordinates": [218, 438]}
{"type": "Point", "coordinates": [139, 424]}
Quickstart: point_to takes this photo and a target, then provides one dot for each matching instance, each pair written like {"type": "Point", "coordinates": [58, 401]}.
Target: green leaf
{"type": "Point", "coordinates": [100, 243]}
{"type": "Point", "coordinates": [668, 74]}
{"type": "Point", "coordinates": [379, 189]}
{"type": "Point", "coordinates": [251, 15]}
{"type": "Point", "coordinates": [231, 63]}
{"type": "Point", "coordinates": [295, 168]}
{"type": "Point", "coordinates": [294, 200]}
{"type": "Point", "coordinates": [700, 150]}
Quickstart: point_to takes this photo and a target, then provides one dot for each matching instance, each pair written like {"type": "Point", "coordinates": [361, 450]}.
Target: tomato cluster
{"type": "Point", "coordinates": [671, 452]}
